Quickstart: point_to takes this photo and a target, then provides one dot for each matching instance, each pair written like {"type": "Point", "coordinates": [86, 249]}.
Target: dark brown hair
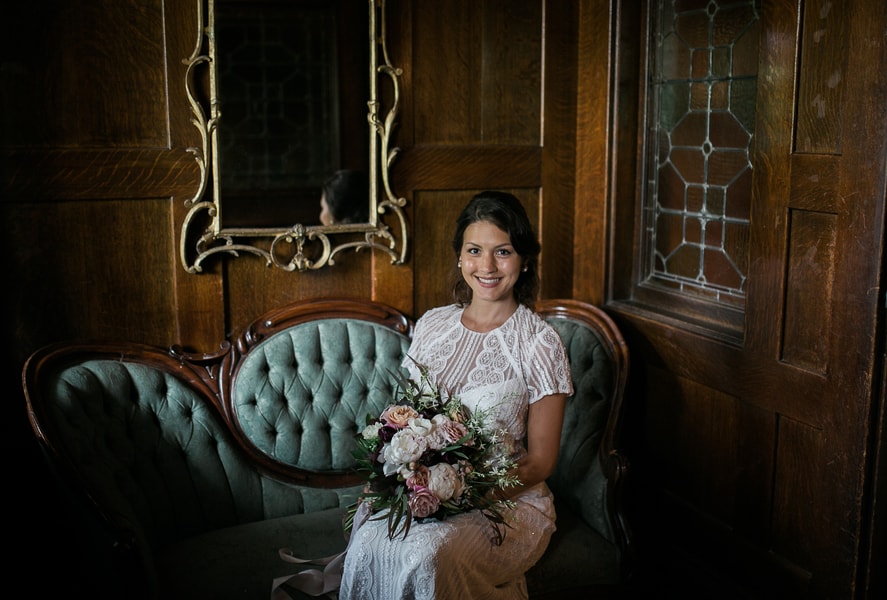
{"type": "Point", "coordinates": [347, 196]}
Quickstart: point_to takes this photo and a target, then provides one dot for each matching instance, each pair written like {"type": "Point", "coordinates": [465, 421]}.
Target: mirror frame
{"type": "Point", "coordinates": [294, 247]}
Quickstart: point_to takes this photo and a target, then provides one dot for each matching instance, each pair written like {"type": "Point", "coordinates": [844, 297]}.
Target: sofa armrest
{"type": "Point", "coordinates": [589, 478]}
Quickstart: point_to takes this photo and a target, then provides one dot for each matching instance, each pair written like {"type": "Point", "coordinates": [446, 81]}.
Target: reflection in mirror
{"type": "Point", "coordinates": [291, 90]}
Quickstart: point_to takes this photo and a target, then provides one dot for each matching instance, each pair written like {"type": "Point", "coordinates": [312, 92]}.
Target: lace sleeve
{"type": "Point", "coordinates": [413, 354]}
{"type": "Point", "coordinates": [409, 362]}
{"type": "Point", "coordinates": [547, 369]}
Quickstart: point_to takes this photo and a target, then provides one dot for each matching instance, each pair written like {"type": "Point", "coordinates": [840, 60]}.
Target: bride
{"type": "Point", "coordinates": [491, 350]}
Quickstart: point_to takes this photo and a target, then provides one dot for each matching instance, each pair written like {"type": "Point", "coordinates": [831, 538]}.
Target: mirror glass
{"type": "Point", "coordinates": [293, 84]}
{"type": "Point", "coordinates": [295, 99]}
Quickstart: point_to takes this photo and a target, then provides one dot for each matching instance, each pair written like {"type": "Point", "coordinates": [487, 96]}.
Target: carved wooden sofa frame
{"type": "Point", "coordinates": [189, 472]}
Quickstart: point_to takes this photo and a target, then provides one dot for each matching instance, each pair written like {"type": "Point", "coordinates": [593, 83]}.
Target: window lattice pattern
{"type": "Point", "coordinates": [703, 68]}
{"type": "Point", "coordinates": [278, 91]}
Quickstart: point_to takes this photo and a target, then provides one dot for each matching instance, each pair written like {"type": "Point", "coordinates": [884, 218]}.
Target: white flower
{"type": "Point", "coordinates": [444, 481]}
{"type": "Point", "coordinates": [502, 449]}
{"type": "Point", "coordinates": [405, 447]}
{"type": "Point", "coordinates": [371, 431]}
{"type": "Point", "coordinates": [421, 426]}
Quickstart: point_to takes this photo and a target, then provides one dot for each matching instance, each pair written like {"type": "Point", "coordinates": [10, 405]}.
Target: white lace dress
{"type": "Point", "coordinates": [505, 370]}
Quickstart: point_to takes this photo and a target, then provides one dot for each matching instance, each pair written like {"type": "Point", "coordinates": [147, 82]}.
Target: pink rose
{"type": "Point", "coordinates": [418, 478]}
{"type": "Point", "coordinates": [423, 503]}
{"type": "Point", "coordinates": [449, 431]}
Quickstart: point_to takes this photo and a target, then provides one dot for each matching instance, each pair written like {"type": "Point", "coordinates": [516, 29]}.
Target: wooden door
{"type": "Point", "coordinates": [752, 328]}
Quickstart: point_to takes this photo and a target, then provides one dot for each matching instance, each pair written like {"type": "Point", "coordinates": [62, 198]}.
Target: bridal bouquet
{"type": "Point", "coordinates": [426, 456]}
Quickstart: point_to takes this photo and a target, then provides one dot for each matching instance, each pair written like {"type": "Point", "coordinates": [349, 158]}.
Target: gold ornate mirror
{"type": "Point", "coordinates": [263, 176]}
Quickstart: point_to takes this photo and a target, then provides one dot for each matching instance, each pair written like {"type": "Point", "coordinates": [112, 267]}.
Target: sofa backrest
{"type": "Point", "coordinates": [591, 467]}
{"type": "Point", "coordinates": [161, 442]}
{"type": "Point", "coordinates": [303, 386]}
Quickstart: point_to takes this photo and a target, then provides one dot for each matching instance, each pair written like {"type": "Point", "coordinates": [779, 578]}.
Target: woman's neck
{"type": "Point", "coordinates": [486, 316]}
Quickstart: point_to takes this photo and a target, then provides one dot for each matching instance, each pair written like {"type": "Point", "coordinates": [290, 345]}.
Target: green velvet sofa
{"type": "Point", "coordinates": [189, 472]}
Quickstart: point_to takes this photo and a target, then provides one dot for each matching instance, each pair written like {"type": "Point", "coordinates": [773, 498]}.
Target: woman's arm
{"type": "Point", "coordinates": [544, 422]}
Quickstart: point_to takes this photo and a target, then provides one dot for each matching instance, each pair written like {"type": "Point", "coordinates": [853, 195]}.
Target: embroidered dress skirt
{"type": "Point", "coordinates": [456, 558]}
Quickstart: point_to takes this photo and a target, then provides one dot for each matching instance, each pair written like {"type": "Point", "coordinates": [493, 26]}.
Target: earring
{"type": "Point", "coordinates": [525, 268]}
{"type": "Point", "coordinates": [459, 264]}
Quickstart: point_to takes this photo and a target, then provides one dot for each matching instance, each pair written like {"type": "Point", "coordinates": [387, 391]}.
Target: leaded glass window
{"type": "Point", "coordinates": [703, 69]}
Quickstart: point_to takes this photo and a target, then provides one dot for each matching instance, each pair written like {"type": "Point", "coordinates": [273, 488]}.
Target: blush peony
{"type": "Point", "coordinates": [444, 481]}
{"type": "Point", "coordinates": [405, 447]}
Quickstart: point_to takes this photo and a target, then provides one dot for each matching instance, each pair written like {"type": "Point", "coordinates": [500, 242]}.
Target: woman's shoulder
{"type": "Point", "coordinates": [440, 313]}
{"type": "Point", "coordinates": [527, 318]}
{"type": "Point", "coordinates": [437, 320]}
{"type": "Point", "coordinates": [535, 327]}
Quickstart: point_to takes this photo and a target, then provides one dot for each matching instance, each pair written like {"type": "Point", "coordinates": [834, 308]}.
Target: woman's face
{"type": "Point", "coordinates": [326, 217]}
{"type": "Point", "coordinates": [490, 265]}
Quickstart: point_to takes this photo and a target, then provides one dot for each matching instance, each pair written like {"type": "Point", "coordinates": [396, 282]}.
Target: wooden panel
{"type": "Point", "coordinates": [821, 74]}
{"type": "Point", "coordinates": [814, 182]}
{"type": "Point", "coordinates": [444, 57]}
{"type": "Point", "coordinates": [511, 72]}
{"type": "Point", "coordinates": [593, 178]}
{"type": "Point", "coordinates": [712, 454]}
{"type": "Point", "coordinates": [436, 213]}
{"type": "Point", "coordinates": [694, 417]}
{"type": "Point", "coordinates": [809, 290]}
{"type": "Point", "coordinates": [90, 93]}
{"type": "Point", "coordinates": [468, 167]}
{"type": "Point", "coordinates": [802, 373]}
{"type": "Point", "coordinates": [97, 174]}
{"type": "Point", "coordinates": [724, 367]}
{"type": "Point", "coordinates": [797, 492]}
{"type": "Point", "coordinates": [558, 219]}
{"type": "Point", "coordinates": [474, 112]}
{"type": "Point", "coordinates": [477, 74]}
{"type": "Point", "coordinates": [89, 281]}
{"type": "Point", "coordinates": [756, 448]}
{"type": "Point", "coordinates": [252, 288]}
{"type": "Point", "coordinates": [770, 158]}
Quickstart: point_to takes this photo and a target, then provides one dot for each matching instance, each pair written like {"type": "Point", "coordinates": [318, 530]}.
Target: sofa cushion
{"type": "Point", "coordinates": [577, 556]}
{"type": "Point", "coordinates": [242, 561]}
{"type": "Point", "coordinates": [205, 566]}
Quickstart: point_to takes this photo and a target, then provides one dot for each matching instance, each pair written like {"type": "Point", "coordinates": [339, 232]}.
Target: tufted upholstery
{"type": "Point", "coordinates": [579, 482]}
{"type": "Point", "coordinates": [202, 466]}
{"type": "Point", "coordinates": [302, 395]}
{"type": "Point", "coordinates": [147, 444]}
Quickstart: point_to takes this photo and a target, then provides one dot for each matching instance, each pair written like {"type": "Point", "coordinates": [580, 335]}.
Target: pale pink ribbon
{"type": "Point", "coordinates": [316, 582]}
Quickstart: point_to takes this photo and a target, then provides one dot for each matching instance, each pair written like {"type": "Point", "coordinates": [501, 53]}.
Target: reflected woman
{"type": "Point", "coordinates": [345, 198]}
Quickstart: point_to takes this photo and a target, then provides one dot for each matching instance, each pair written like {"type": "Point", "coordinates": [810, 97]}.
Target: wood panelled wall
{"type": "Point", "coordinates": [537, 97]}
{"type": "Point", "coordinates": [758, 445]}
